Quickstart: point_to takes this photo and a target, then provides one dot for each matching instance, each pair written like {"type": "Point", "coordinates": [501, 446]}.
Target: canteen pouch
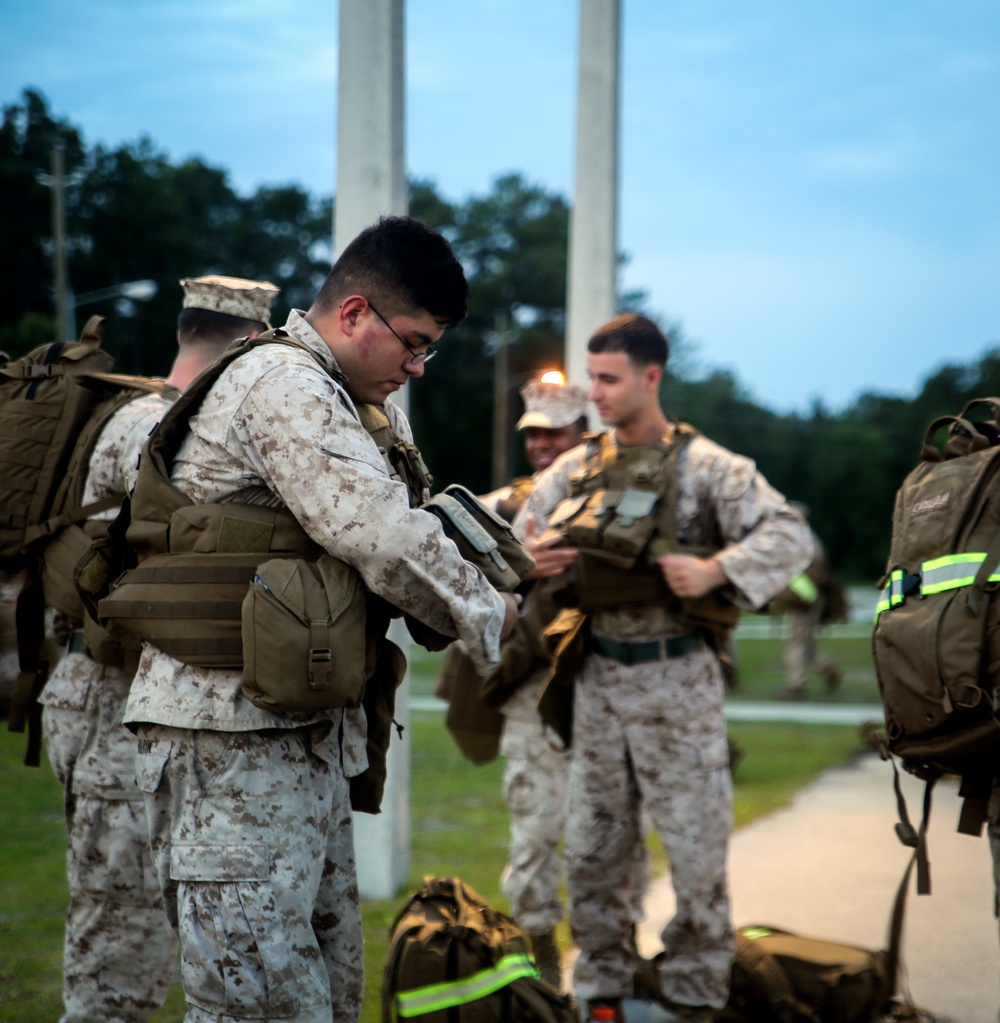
{"type": "Point", "coordinates": [482, 537]}
{"type": "Point", "coordinates": [304, 636]}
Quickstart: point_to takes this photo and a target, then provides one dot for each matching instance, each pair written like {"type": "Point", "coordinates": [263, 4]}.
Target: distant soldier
{"type": "Point", "coordinates": [811, 600]}
{"type": "Point", "coordinates": [120, 952]}
{"type": "Point", "coordinates": [536, 774]}
{"type": "Point", "coordinates": [665, 532]}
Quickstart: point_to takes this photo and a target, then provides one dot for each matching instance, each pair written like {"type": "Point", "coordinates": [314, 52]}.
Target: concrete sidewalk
{"type": "Point", "coordinates": [829, 865]}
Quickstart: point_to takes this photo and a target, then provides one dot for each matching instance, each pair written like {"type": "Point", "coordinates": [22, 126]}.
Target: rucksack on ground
{"type": "Point", "coordinates": [936, 642]}
{"type": "Point", "coordinates": [779, 976]}
{"type": "Point", "coordinates": [53, 403]}
{"type": "Point", "coordinates": [454, 958]}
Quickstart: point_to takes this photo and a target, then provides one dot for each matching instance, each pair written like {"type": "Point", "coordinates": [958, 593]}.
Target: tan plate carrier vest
{"type": "Point", "coordinates": [621, 514]}
{"type": "Point", "coordinates": [196, 561]}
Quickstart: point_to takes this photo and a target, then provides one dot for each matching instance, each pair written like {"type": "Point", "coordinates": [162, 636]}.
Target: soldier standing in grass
{"type": "Point", "coordinates": [120, 952]}
{"type": "Point", "coordinates": [250, 808]}
{"type": "Point", "coordinates": [535, 771]}
{"type": "Point", "coordinates": [704, 532]}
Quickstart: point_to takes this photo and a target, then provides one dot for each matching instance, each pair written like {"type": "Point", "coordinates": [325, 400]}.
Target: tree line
{"type": "Point", "coordinates": [132, 213]}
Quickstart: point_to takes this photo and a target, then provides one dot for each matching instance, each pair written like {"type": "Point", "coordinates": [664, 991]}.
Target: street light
{"type": "Point", "coordinates": [139, 291]}
{"type": "Point", "coordinates": [127, 293]}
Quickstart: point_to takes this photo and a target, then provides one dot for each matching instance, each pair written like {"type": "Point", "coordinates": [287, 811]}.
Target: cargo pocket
{"type": "Point", "coordinates": [149, 765]}
{"type": "Point", "coordinates": [238, 957]}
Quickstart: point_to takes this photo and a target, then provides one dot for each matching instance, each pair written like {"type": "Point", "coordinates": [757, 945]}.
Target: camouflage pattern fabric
{"type": "Point", "coordinates": [275, 820]}
{"type": "Point", "coordinates": [651, 737]}
{"type": "Point", "coordinates": [120, 952]}
{"type": "Point", "coordinates": [802, 654]}
{"type": "Point", "coordinates": [274, 419]}
{"type": "Point", "coordinates": [252, 838]}
{"type": "Point", "coordinates": [535, 788]}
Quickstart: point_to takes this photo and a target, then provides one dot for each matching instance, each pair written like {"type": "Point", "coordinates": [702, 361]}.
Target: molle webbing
{"type": "Point", "coordinates": [403, 460]}
{"type": "Point", "coordinates": [196, 561]}
{"type": "Point", "coordinates": [606, 580]}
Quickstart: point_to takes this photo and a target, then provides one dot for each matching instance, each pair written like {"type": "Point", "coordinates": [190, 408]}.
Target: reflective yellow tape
{"type": "Point", "coordinates": [447, 994]}
{"type": "Point", "coordinates": [804, 588]}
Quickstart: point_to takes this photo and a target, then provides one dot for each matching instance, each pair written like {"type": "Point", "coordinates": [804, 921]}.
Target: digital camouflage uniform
{"type": "Point", "coordinates": [249, 810]}
{"type": "Point", "coordinates": [120, 951]}
{"type": "Point", "coordinates": [535, 787]}
{"type": "Point", "coordinates": [652, 737]}
{"type": "Point", "coordinates": [805, 616]}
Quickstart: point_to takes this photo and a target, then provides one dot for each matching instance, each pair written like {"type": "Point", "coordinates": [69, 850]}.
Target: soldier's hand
{"type": "Point", "coordinates": [511, 602]}
{"type": "Point", "coordinates": [550, 557]}
{"type": "Point", "coordinates": [691, 577]}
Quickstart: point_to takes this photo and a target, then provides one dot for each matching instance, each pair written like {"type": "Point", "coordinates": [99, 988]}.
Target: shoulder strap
{"type": "Point", "coordinates": [68, 500]}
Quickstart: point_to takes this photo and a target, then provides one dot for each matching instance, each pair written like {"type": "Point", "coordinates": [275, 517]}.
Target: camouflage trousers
{"type": "Point", "coordinates": [650, 738]}
{"type": "Point", "coordinates": [535, 787]}
{"type": "Point", "coordinates": [252, 837]}
{"type": "Point", "coordinates": [802, 653]}
{"type": "Point", "coordinates": [120, 952]}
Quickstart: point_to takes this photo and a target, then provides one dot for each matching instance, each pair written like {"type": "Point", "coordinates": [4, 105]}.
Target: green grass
{"type": "Point", "coordinates": [459, 824]}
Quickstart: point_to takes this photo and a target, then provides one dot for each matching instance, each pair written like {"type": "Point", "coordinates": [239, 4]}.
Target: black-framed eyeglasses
{"type": "Point", "coordinates": [415, 356]}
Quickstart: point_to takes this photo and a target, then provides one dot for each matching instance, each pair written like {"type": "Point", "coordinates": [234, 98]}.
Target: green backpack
{"type": "Point", "coordinates": [936, 642]}
{"type": "Point", "coordinates": [453, 958]}
{"type": "Point", "coordinates": [782, 977]}
{"type": "Point", "coordinates": [53, 403]}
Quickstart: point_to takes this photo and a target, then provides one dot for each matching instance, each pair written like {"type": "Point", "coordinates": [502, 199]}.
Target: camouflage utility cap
{"type": "Point", "coordinates": [551, 406]}
{"type": "Point", "coordinates": [234, 296]}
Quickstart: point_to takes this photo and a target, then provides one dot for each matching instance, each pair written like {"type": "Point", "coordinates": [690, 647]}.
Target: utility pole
{"type": "Point", "coordinates": [66, 329]}
{"type": "Point", "coordinates": [593, 233]}
{"type": "Point", "coordinates": [371, 182]}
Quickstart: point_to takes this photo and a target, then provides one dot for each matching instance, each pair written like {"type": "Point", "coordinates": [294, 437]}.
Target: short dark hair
{"type": "Point", "coordinates": [637, 336]}
{"type": "Point", "coordinates": [400, 265]}
{"type": "Point", "coordinates": [208, 327]}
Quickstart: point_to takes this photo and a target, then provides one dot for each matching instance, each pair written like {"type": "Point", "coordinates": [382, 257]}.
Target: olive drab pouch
{"type": "Point", "coordinates": [303, 629]}
{"type": "Point", "coordinates": [614, 525]}
{"type": "Point", "coordinates": [454, 958]}
{"type": "Point", "coordinates": [936, 642]}
{"type": "Point", "coordinates": [568, 637]}
{"type": "Point", "coordinates": [483, 538]}
{"type": "Point", "coordinates": [474, 724]}
{"type": "Point", "coordinates": [379, 703]}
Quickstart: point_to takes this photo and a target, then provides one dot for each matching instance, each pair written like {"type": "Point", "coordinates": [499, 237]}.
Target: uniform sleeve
{"type": "Point", "coordinates": [766, 540]}
{"type": "Point", "coordinates": [551, 487]}
{"type": "Point", "coordinates": [114, 462]}
{"type": "Point", "coordinates": [315, 454]}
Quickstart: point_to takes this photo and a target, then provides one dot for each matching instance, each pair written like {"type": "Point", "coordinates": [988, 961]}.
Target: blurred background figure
{"type": "Point", "coordinates": [812, 599]}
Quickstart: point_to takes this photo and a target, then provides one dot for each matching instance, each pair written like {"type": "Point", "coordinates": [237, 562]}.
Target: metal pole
{"type": "Point", "coordinates": [593, 234]}
{"type": "Point", "coordinates": [371, 182]}
{"type": "Point", "coordinates": [66, 328]}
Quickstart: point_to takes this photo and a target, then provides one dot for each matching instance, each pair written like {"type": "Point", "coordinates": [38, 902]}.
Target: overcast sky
{"type": "Point", "coordinates": [810, 188]}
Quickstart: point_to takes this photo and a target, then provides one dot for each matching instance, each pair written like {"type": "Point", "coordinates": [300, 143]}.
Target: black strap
{"type": "Point", "coordinates": [26, 711]}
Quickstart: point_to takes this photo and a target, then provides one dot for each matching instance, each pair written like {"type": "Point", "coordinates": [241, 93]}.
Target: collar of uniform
{"type": "Point", "coordinates": [300, 328]}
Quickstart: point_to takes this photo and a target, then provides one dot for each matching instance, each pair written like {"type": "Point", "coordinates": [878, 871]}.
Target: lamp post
{"type": "Point", "coordinates": [129, 292]}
